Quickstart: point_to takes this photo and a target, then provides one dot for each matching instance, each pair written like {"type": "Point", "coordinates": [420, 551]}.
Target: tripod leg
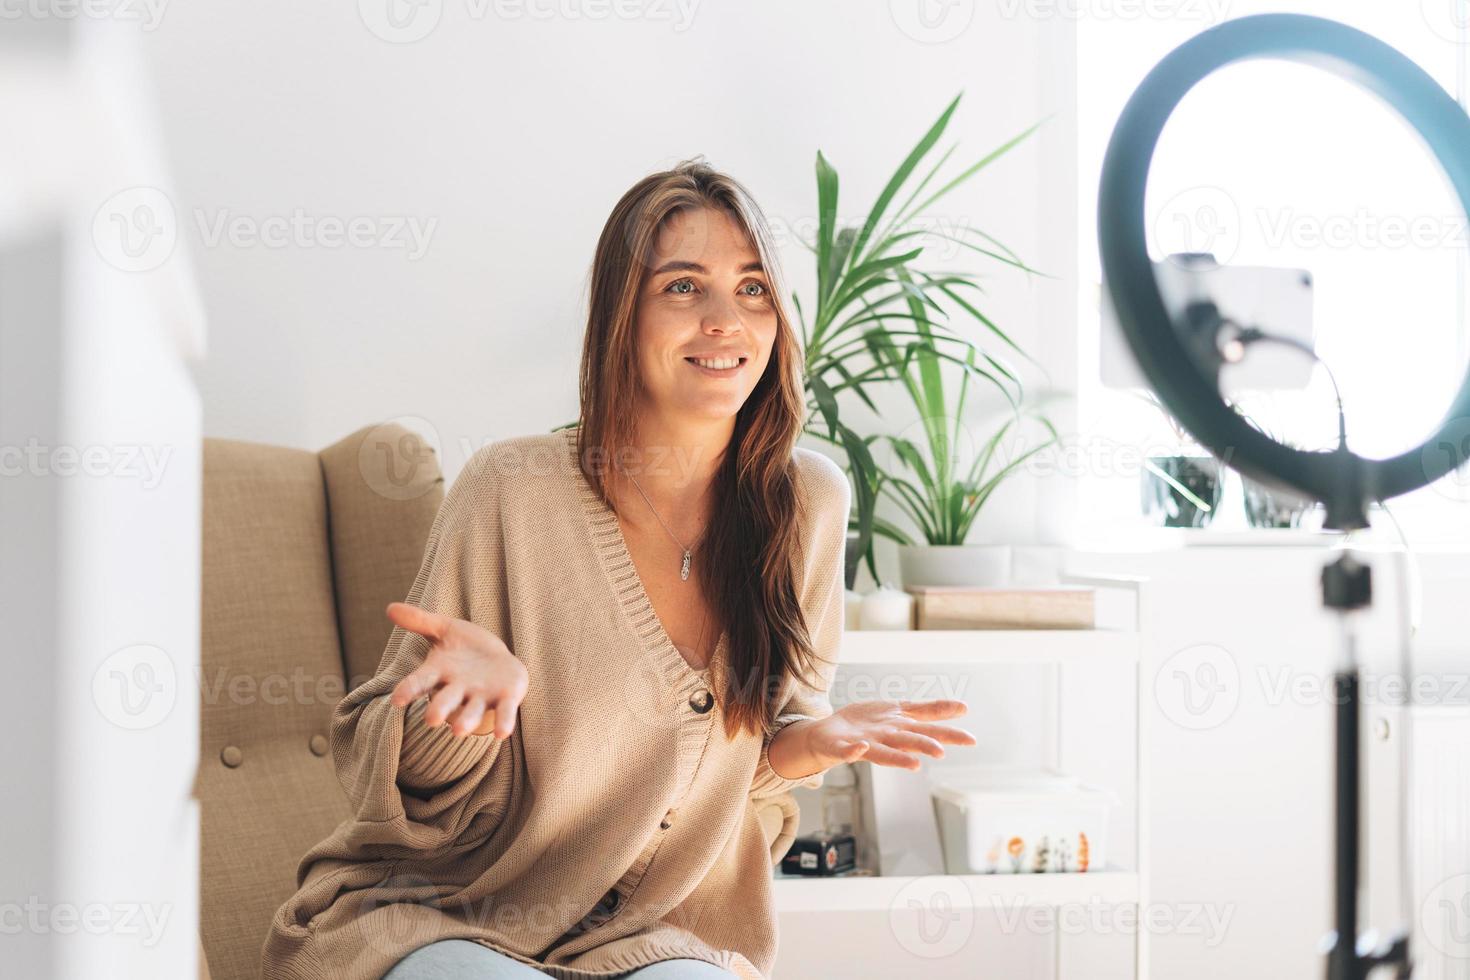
{"type": "Point", "coordinates": [1343, 962]}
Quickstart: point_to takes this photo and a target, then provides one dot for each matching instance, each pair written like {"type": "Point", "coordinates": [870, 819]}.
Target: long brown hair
{"type": "Point", "coordinates": [750, 550]}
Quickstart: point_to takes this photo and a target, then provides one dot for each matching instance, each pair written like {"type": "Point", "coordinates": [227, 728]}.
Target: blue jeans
{"type": "Point", "coordinates": [461, 959]}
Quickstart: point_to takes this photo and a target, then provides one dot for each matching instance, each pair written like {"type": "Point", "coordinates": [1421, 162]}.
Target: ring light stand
{"type": "Point", "coordinates": [1182, 361]}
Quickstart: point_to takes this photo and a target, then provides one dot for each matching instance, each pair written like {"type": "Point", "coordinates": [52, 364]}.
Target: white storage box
{"type": "Point", "coordinates": [1007, 821]}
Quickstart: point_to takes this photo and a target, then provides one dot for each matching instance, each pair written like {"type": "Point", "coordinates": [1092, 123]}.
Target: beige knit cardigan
{"type": "Point", "coordinates": [616, 825]}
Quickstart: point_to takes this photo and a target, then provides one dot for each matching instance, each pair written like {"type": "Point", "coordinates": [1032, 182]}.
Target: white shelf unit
{"type": "Point", "coordinates": [1111, 886]}
{"type": "Point", "coordinates": [965, 647]}
{"type": "Point", "coordinates": [1053, 650]}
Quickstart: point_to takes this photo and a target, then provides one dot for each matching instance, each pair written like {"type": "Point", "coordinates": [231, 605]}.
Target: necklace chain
{"type": "Point", "coordinates": [688, 551]}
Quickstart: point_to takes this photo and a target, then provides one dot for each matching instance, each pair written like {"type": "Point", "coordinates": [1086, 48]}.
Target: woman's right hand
{"type": "Point", "coordinates": [477, 683]}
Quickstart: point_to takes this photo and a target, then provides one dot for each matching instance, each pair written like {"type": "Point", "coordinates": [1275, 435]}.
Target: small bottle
{"type": "Point", "coordinates": [841, 801]}
{"type": "Point", "coordinates": [842, 812]}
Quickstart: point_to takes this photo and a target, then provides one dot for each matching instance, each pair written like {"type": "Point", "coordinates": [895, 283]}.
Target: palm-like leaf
{"type": "Point", "coordinates": [878, 319]}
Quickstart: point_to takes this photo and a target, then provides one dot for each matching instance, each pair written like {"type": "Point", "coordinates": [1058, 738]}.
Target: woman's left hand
{"type": "Point", "coordinates": [886, 732]}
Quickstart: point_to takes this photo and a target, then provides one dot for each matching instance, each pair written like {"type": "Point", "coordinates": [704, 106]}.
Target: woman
{"type": "Point", "coordinates": [617, 651]}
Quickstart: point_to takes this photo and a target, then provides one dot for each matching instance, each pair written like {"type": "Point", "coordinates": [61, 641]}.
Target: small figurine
{"type": "Point", "coordinates": [1043, 852]}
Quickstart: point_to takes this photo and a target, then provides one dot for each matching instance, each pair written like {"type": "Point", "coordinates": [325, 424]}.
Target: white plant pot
{"type": "Point", "coordinates": [978, 565]}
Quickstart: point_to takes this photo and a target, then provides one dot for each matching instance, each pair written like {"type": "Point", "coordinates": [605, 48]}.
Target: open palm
{"type": "Point", "coordinates": [475, 682]}
{"type": "Point", "coordinates": [887, 732]}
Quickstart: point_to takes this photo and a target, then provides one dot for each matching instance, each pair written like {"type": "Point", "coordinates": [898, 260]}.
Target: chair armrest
{"type": "Point", "coordinates": [779, 817]}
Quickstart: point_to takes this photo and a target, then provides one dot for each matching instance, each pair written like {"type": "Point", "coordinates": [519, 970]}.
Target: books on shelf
{"type": "Point", "coordinates": [943, 607]}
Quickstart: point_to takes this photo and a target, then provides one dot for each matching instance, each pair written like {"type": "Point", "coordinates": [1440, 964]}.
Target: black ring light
{"type": "Point", "coordinates": [1342, 480]}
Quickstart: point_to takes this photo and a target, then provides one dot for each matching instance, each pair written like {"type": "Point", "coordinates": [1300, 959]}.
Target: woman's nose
{"type": "Point", "coordinates": [721, 315]}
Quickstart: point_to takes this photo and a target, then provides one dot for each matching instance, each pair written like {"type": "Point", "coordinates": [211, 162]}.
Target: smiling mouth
{"type": "Point", "coordinates": [718, 365]}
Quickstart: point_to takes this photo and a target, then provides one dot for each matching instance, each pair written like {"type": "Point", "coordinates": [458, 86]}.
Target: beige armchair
{"type": "Point", "coordinates": [301, 553]}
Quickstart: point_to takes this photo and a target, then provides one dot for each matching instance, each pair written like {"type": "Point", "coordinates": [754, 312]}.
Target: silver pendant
{"type": "Point", "coordinates": [684, 572]}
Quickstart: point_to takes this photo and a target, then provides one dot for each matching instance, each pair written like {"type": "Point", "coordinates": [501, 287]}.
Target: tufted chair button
{"type": "Point", "coordinates": [231, 756]}
{"type": "Point", "coordinates": [701, 701]}
{"type": "Point", "coordinates": [319, 745]}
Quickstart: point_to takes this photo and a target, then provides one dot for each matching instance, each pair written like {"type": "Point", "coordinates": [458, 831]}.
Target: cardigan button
{"type": "Point", "coordinates": [318, 745]}
{"type": "Point", "coordinates": [701, 701]}
{"type": "Point", "coordinates": [231, 756]}
{"type": "Point", "coordinates": [667, 821]}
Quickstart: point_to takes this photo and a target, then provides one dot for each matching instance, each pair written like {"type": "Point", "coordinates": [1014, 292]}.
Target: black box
{"type": "Point", "coordinates": [820, 854]}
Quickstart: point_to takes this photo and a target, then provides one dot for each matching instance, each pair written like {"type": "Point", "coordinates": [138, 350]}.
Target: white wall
{"type": "Point", "coordinates": [514, 136]}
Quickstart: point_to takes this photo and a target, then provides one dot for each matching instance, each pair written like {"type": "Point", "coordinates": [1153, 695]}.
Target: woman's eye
{"type": "Point", "coordinates": [684, 287]}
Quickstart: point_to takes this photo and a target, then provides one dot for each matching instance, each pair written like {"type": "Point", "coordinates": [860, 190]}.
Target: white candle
{"type": "Point", "coordinates": [886, 608]}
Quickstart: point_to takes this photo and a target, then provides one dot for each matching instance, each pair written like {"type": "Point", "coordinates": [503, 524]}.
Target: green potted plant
{"type": "Point", "coordinates": [949, 477]}
{"type": "Point", "coordinates": [1180, 488]}
{"type": "Point", "coordinates": [879, 319]}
